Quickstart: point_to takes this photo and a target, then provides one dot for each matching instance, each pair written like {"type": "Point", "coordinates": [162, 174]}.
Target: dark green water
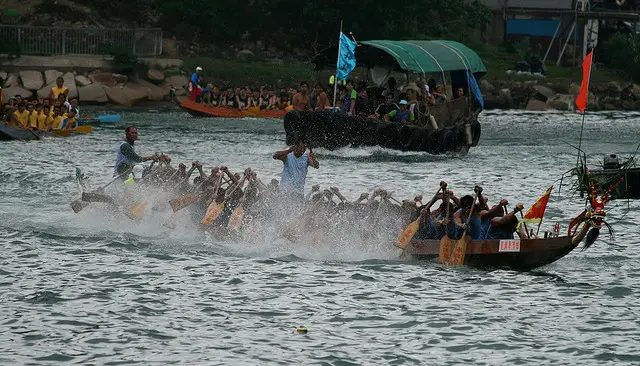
{"type": "Point", "coordinates": [97, 289]}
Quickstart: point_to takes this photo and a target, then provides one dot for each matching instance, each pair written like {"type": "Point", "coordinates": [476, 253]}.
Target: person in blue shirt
{"type": "Point", "coordinates": [294, 172]}
{"type": "Point", "coordinates": [195, 87]}
{"type": "Point", "coordinates": [404, 115]}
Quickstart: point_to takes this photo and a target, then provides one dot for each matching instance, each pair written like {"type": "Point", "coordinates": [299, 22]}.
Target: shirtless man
{"type": "Point", "coordinates": [322, 102]}
{"type": "Point", "coordinates": [301, 101]}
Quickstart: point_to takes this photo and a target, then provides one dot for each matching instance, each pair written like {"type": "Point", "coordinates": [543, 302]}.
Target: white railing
{"type": "Point", "coordinates": [28, 40]}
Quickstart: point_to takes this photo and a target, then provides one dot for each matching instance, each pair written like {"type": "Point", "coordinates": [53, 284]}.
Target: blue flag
{"type": "Point", "coordinates": [475, 89]}
{"type": "Point", "coordinates": [347, 57]}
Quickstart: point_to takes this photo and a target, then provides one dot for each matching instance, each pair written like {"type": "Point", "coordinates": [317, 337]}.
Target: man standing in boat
{"type": "Point", "coordinates": [302, 100]}
{"type": "Point", "coordinates": [296, 164]}
{"type": "Point", "coordinates": [126, 156]}
{"type": "Point", "coordinates": [194, 88]}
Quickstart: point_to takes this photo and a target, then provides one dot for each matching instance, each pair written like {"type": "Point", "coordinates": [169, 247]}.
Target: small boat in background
{"type": "Point", "coordinates": [623, 173]}
{"type": "Point", "coordinates": [202, 110]}
{"type": "Point", "coordinates": [108, 118]}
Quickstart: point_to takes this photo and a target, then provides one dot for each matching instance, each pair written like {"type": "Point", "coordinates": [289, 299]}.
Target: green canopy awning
{"type": "Point", "coordinates": [420, 57]}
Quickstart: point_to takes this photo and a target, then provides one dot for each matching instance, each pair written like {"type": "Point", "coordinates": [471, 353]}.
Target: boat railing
{"type": "Point", "coordinates": [56, 41]}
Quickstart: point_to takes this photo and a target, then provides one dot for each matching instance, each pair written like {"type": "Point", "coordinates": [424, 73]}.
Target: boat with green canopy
{"type": "Point", "coordinates": [448, 124]}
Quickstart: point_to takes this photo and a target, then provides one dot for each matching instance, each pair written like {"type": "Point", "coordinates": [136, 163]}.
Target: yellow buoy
{"type": "Point", "coordinates": [302, 330]}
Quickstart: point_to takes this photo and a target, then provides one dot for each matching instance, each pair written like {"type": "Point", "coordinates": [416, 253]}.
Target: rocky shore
{"type": "Point", "coordinates": [94, 88]}
{"type": "Point", "coordinates": [542, 95]}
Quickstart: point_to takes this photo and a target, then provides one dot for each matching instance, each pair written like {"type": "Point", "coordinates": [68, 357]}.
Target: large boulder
{"type": "Point", "coordinates": [119, 78]}
{"type": "Point", "coordinates": [486, 87]}
{"type": "Point", "coordinates": [178, 82]}
{"type": "Point", "coordinates": [104, 78]}
{"type": "Point", "coordinates": [93, 93]}
{"type": "Point", "coordinates": [506, 97]}
{"type": "Point", "coordinates": [125, 95]}
{"type": "Point", "coordinates": [154, 92]}
{"type": "Point", "coordinates": [542, 93]}
{"type": "Point", "coordinates": [536, 105]}
{"type": "Point", "coordinates": [82, 80]}
{"type": "Point", "coordinates": [12, 91]}
{"type": "Point", "coordinates": [32, 80]}
{"type": "Point", "coordinates": [155, 76]}
{"type": "Point", "coordinates": [70, 83]}
{"type": "Point", "coordinates": [50, 76]}
{"type": "Point", "coordinates": [11, 81]}
{"type": "Point", "coordinates": [3, 76]}
{"type": "Point", "coordinates": [562, 102]}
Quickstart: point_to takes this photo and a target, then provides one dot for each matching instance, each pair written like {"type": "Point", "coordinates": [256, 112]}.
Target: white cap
{"type": "Point", "coordinates": [198, 68]}
{"type": "Point", "coordinates": [402, 102]}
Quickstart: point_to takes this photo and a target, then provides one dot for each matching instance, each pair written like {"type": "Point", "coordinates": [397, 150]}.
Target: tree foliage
{"type": "Point", "coordinates": [315, 23]}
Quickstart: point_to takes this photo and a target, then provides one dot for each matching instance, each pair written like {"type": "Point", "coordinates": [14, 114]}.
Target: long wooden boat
{"type": "Point", "coordinates": [9, 133]}
{"type": "Point", "coordinates": [516, 254]}
{"type": "Point", "coordinates": [202, 110]}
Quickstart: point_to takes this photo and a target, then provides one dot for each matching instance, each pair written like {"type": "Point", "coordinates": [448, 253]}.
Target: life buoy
{"type": "Point", "coordinates": [432, 122]}
{"type": "Point", "coordinates": [447, 142]}
{"type": "Point", "coordinates": [387, 135]}
{"type": "Point", "coordinates": [430, 142]}
{"type": "Point", "coordinates": [620, 2]}
{"type": "Point", "coordinates": [405, 134]}
{"type": "Point", "coordinates": [418, 135]}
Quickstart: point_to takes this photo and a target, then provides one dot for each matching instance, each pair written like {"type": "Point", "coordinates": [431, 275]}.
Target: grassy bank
{"type": "Point", "coordinates": [290, 73]}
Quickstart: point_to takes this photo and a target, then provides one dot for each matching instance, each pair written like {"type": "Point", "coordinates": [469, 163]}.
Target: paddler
{"type": "Point", "coordinates": [302, 100]}
{"type": "Point", "coordinates": [126, 156]}
{"type": "Point", "coordinates": [294, 172]}
{"type": "Point", "coordinates": [58, 89]}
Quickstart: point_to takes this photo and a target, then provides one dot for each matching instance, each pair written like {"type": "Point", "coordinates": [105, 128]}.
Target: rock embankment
{"type": "Point", "coordinates": [542, 95]}
{"type": "Point", "coordinates": [93, 88]}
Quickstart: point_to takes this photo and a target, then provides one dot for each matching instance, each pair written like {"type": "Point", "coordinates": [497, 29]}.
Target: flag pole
{"type": "Point", "coordinates": [335, 78]}
{"type": "Point", "coordinates": [583, 113]}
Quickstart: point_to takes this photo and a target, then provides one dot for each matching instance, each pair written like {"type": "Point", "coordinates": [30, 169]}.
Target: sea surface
{"type": "Point", "coordinates": [91, 288]}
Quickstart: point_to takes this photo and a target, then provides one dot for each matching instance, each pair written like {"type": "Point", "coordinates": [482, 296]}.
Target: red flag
{"type": "Point", "coordinates": [581, 100]}
{"type": "Point", "coordinates": [536, 212]}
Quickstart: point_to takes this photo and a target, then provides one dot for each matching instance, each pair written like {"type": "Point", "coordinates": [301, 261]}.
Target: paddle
{"type": "Point", "coordinates": [235, 221]}
{"type": "Point", "coordinates": [137, 209]}
{"type": "Point", "coordinates": [410, 231]}
{"type": "Point", "coordinates": [83, 129]}
{"type": "Point", "coordinates": [96, 197]}
{"type": "Point", "coordinates": [293, 230]}
{"type": "Point", "coordinates": [214, 209]}
{"type": "Point", "coordinates": [77, 205]}
{"type": "Point", "coordinates": [444, 253]}
{"type": "Point", "coordinates": [459, 250]}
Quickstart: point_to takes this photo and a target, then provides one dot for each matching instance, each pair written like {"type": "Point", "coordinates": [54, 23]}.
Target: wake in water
{"type": "Point", "coordinates": [218, 211]}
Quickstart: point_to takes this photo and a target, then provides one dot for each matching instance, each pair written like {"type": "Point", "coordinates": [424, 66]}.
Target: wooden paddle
{"type": "Point", "coordinates": [79, 204]}
{"type": "Point", "coordinates": [214, 209]}
{"type": "Point", "coordinates": [82, 129]}
{"type": "Point", "coordinates": [444, 254]}
{"type": "Point", "coordinates": [459, 250]}
{"type": "Point", "coordinates": [137, 209]}
{"type": "Point", "coordinates": [410, 231]}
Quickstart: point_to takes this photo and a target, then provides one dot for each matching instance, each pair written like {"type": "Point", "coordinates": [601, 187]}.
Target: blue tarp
{"type": "Point", "coordinates": [533, 27]}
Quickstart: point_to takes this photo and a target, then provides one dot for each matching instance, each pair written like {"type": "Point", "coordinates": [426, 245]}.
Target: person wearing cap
{"type": "Point", "coordinates": [404, 115]}
{"type": "Point", "coordinates": [194, 88]}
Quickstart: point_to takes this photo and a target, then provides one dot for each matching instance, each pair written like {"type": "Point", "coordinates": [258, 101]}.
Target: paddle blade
{"type": "Point", "coordinates": [183, 201]}
{"type": "Point", "coordinates": [407, 234]}
{"type": "Point", "coordinates": [212, 213]}
{"type": "Point", "coordinates": [460, 249]}
{"type": "Point", "coordinates": [96, 197]}
{"type": "Point", "coordinates": [235, 221]}
{"type": "Point", "coordinates": [445, 250]}
{"type": "Point", "coordinates": [137, 209]}
{"type": "Point", "coordinates": [62, 133]}
{"type": "Point", "coordinates": [78, 205]}
{"type": "Point", "coordinates": [83, 129]}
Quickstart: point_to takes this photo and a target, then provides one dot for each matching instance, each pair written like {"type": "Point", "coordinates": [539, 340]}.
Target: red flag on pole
{"type": "Point", "coordinates": [581, 100]}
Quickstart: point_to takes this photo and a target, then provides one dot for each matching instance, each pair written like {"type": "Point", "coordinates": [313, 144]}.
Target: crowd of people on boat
{"type": "Point", "coordinates": [53, 112]}
{"type": "Point", "coordinates": [392, 103]}
{"type": "Point", "coordinates": [215, 198]}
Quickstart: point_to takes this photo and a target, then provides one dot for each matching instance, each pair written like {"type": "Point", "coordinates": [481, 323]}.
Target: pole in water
{"type": "Point", "coordinates": [335, 79]}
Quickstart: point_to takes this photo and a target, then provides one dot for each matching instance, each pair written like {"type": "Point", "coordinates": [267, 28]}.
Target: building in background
{"type": "Point", "coordinates": [561, 30]}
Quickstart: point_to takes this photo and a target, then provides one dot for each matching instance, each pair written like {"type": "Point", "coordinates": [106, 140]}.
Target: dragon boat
{"type": "Point", "coordinates": [450, 126]}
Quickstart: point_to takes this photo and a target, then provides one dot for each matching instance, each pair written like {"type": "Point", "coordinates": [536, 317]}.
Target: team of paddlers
{"type": "Point", "coordinates": [226, 201]}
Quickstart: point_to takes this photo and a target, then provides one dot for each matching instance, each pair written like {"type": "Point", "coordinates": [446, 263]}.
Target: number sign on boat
{"type": "Point", "coordinates": [509, 246]}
